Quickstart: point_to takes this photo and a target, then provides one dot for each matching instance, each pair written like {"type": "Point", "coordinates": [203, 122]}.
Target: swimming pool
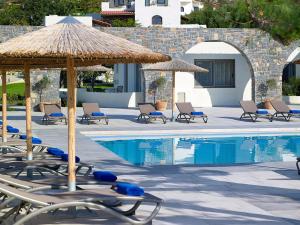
{"type": "Point", "coordinates": [205, 150]}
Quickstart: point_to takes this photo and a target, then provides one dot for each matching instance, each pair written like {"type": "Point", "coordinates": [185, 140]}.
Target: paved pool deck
{"type": "Point", "coordinates": [259, 194]}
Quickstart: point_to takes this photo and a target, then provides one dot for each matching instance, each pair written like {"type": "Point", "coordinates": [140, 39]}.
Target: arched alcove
{"type": "Point", "coordinates": [231, 77]}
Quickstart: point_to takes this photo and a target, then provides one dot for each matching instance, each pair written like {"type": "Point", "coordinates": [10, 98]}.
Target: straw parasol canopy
{"type": "Point", "coordinates": [175, 65]}
{"type": "Point", "coordinates": [68, 44]}
{"type": "Point", "coordinates": [87, 46]}
{"type": "Point", "coordinates": [96, 68]}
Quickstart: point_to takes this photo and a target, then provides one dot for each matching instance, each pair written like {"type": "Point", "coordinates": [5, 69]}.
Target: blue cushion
{"type": "Point", "coordinates": [197, 113]}
{"type": "Point", "coordinates": [35, 140]}
{"type": "Point", "coordinates": [295, 111]}
{"type": "Point", "coordinates": [262, 111]}
{"type": "Point", "coordinates": [97, 114]}
{"type": "Point", "coordinates": [155, 113]}
{"type": "Point", "coordinates": [105, 176]}
{"type": "Point", "coordinates": [64, 157]}
{"type": "Point", "coordinates": [56, 114]}
{"type": "Point", "coordinates": [1, 122]}
{"type": "Point", "coordinates": [11, 129]}
{"type": "Point", "coordinates": [55, 151]}
{"type": "Point", "coordinates": [129, 189]}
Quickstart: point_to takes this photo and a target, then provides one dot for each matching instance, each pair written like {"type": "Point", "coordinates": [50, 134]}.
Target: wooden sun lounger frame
{"type": "Point", "coordinates": [52, 108]}
{"type": "Point", "coordinates": [250, 108]}
{"type": "Point", "coordinates": [88, 109]}
{"type": "Point", "coordinates": [146, 109]}
{"type": "Point", "coordinates": [185, 112]}
{"type": "Point", "coordinates": [39, 201]}
{"type": "Point", "coordinates": [282, 110]}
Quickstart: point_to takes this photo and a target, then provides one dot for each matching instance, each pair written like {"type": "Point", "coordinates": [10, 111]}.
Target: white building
{"type": "Point", "coordinates": [166, 13]}
{"type": "Point", "coordinates": [229, 79]}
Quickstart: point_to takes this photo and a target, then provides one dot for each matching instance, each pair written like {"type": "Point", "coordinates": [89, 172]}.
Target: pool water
{"type": "Point", "coordinates": [206, 151]}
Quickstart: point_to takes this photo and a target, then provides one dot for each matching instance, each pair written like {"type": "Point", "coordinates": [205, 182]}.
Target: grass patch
{"type": "Point", "coordinates": [99, 87]}
{"type": "Point", "coordinates": [15, 94]}
{"type": "Point", "coordinates": [17, 88]}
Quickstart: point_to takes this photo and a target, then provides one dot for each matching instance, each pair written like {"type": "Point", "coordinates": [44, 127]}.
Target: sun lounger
{"type": "Point", "coordinates": [297, 164]}
{"type": "Point", "coordinates": [148, 113]}
{"type": "Point", "coordinates": [251, 111]}
{"type": "Point", "coordinates": [92, 113]}
{"type": "Point", "coordinates": [89, 199]}
{"type": "Point", "coordinates": [53, 113]}
{"type": "Point", "coordinates": [54, 166]}
{"type": "Point", "coordinates": [187, 112]}
{"type": "Point", "coordinates": [282, 110]}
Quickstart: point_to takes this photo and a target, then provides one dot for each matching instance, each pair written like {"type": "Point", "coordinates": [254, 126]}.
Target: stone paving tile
{"type": "Point", "coordinates": [258, 194]}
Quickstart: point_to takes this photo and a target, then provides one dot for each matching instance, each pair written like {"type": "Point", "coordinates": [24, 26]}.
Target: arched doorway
{"type": "Point", "coordinates": [231, 77]}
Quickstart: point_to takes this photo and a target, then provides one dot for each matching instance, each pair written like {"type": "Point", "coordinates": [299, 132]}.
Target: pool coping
{"type": "Point", "coordinates": [190, 132]}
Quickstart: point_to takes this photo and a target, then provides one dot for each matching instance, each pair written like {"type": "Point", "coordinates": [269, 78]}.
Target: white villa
{"type": "Point", "coordinates": [228, 81]}
{"type": "Point", "coordinates": [166, 13]}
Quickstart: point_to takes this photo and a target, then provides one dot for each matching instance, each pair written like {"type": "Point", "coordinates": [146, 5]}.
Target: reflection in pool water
{"type": "Point", "coordinates": [206, 151]}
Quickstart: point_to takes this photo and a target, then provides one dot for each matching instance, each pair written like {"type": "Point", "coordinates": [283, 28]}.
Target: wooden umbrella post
{"type": "Point", "coordinates": [28, 111]}
{"type": "Point", "coordinates": [71, 76]}
{"type": "Point", "coordinates": [4, 107]}
{"type": "Point", "coordinates": [173, 94]}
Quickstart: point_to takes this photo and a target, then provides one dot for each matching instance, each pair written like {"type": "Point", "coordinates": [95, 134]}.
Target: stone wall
{"type": "Point", "coordinates": [266, 56]}
{"type": "Point", "coordinates": [52, 93]}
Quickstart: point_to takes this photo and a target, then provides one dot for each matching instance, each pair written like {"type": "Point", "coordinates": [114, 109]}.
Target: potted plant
{"type": "Point", "coordinates": [39, 87]}
{"type": "Point", "coordinates": [156, 86]}
{"type": "Point", "coordinates": [263, 90]}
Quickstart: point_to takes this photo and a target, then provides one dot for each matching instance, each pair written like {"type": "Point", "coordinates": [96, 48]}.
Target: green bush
{"type": "Point", "coordinates": [292, 87]}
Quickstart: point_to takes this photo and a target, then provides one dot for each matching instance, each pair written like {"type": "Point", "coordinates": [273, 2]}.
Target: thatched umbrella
{"type": "Point", "coordinates": [68, 44]}
{"type": "Point", "coordinates": [96, 68]}
{"type": "Point", "coordinates": [175, 65]}
{"type": "Point", "coordinates": [4, 107]}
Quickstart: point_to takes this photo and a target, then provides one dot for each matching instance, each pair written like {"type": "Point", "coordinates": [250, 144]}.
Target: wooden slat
{"type": "Point", "coordinates": [4, 107]}
{"type": "Point", "coordinates": [28, 110]}
{"type": "Point", "coordinates": [71, 76]}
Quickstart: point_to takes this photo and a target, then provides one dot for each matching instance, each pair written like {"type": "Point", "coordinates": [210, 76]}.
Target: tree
{"type": "Point", "coordinates": [41, 85]}
{"type": "Point", "coordinates": [281, 18]}
{"type": "Point", "coordinates": [33, 12]}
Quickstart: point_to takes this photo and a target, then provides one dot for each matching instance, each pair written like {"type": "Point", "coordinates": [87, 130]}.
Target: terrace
{"type": "Point", "coordinates": [263, 193]}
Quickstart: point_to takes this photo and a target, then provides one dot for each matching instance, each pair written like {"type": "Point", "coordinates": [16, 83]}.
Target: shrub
{"type": "Point", "coordinates": [292, 87]}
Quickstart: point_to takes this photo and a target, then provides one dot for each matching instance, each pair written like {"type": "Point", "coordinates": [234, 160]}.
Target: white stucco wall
{"type": "Point", "coordinates": [207, 97]}
{"type": "Point", "coordinates": [170, 14]}
{"type": "Point", "coordinates": [189, 5]}
{"type": "Point", "coordinates": [110, 100]}
{"type": "Point", "coordinates": [105, 7]}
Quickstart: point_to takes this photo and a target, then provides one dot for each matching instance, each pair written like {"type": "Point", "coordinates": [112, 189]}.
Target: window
{"type": "Point", "coordinates": [196, 8]}
{"type": "Point", "coordinates": [119, 2]}
{"type": "Point", "coordinates": [221, 74]}
{"type": "Point", "coordinates": [182, 9]}
{"type": "Point", "coordinates": [162, 2]}
{"type": "Point", "coordinates": [147, 2]}
{"type": "Point", "coordinates": [156, 20]}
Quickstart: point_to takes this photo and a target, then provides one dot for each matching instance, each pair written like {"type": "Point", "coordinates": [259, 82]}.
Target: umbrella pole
{"type": "Point", "coordinates": [71, 76]}
{"type": "Point", "coordinates": [28, 111]}
{"type": "Point", "coordinates": [4, 109]}
{"type": "Point", "coordinates": [173, 94]}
